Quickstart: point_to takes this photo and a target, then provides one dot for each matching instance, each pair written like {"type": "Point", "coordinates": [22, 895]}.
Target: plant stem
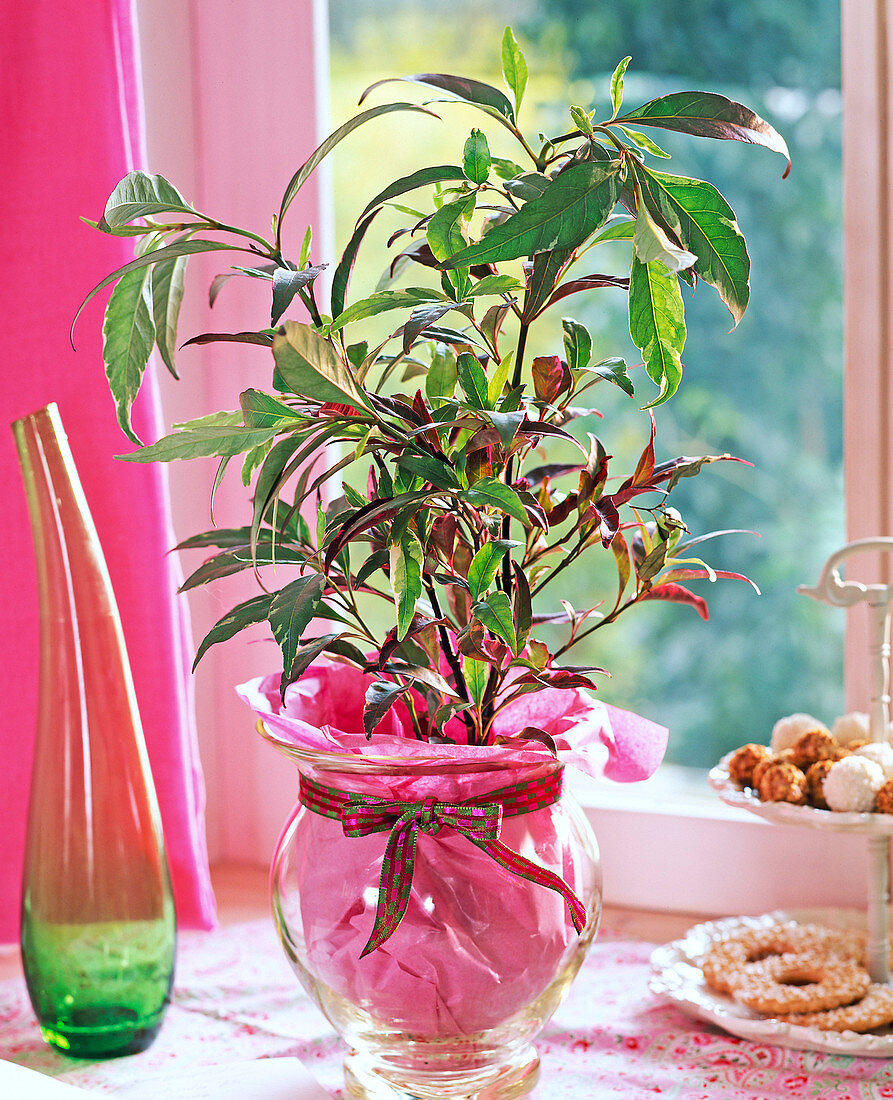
{"type": "Point", "coordinates": [452, 660]}
{"type": "Point", "coordinates": [510, 465]}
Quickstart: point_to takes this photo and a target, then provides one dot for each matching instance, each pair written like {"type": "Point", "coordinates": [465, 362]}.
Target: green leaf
{"type": "Point", "coordinates": [406, 558]}
{"type": "Point", "coordinates": [574, 205]}
{"type": "Point", "coordinates": [167, 294]}
{"type": "Point", "coordinates": [311, 368]}
{"type": "Point", "coordinates": [440, 381]}
{"type": "Point", "coordinates": [382, 302]}
{"type": "Point", "coordinates": [506, 169]}
{"type": "Point", "coordinates": [476, 674]}
{"type": "Point", "coordinates": [476, 157]}
{"type": "Point", "coordinates": [495, 612]}
{"type": "Point", "coordinates": [494, 284]}
{"type": "Point", "coordinates": [423, 177]}
{"type": "Point", "coordinates": [490, 493]}
{"type": "Point", "coordinates": [440, 474]}
{"type": "Point", "coordinates": [507, 424]}
{"type": "Point", "coordinates": [485, 565]}
{"type": "Point", "coordinates": [202, 442]}
{"type": "Point", "coordinates": [514, 67]}
{"type": "Point", "coordinates": [705, 223]}
{"type": "Point", "coordinates": [652, 243]}
{"type": "Point", "coordinates": [286, 284]}
{"type": "Point", "coordinates": [657, 324]}
{"type": "Point", "coordinates": [291, 610]}
{"type": "Point", "coordinates": [129, 334]}
{"type": "Point", "coordinates": [444, 231]}
{"type": "Point", "coordinates": [499, 380]}
{"type": "Point", "coordinates": [644, 142]}
{"type": "Point", "coordinates": [182, 247]}
{"type": "Point", "coordinates": [582, 120]}
{"type": "Point", "coordinates": [617, 85]}
{"type": "Point", "coordinates": [245, 614]}
{"type": "Point", "coordinates": [305, 657]}
{"type": "Point", "coordinates": [473, 381]}
{"type": "Point", "coordinates": [423, 318]}
{"type": "Point", "coordinates": [616, 229]}
{"type": "Point", "coordinates": [341, 278]}
{"type": "Point", "coordinates": [322, 151]}
{"type": "Point", "coordinates": [139, 195]}
{"type": "Point", "coordinates": [707, 114]}
{"type": "Point", "coordinates": [380, 697]}
{"type": "Point", "coordinates": [481, 95]}
{"type": "Point", "coordinates": [614, 370]}
{"type": "Point", "coordinates": [577, 343]}
{"type": "Point", "coordinates": [262, 410]}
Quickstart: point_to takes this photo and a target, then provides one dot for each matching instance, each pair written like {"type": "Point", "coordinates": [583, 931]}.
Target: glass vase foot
{"type": "Point", "coordinates": [442, 1071]}
{"type": "Point", "coordinates": [104, 1031]}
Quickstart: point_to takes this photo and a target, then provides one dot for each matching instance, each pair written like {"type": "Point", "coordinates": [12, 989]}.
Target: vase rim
{"type": "Point", "coordinates": [377, 763]}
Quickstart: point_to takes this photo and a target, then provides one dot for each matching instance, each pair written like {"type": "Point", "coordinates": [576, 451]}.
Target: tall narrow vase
{"type": "Point", "coordinates": [98, 927]}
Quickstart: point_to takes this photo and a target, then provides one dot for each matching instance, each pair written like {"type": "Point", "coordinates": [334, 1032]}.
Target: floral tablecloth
{"type": "Point", "coordinates": [236, 999]}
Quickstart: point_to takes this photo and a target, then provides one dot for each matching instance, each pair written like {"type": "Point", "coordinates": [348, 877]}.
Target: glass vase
{"type": "Point", "coordinates": [98, 927]}
{"type": "Point", "coordinates": [449, 1004]}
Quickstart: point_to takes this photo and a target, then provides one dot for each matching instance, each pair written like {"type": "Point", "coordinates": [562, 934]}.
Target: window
{"type": "Point", "coordinates": [203, 62]}
{"type": "Point", "coordinates": [770, 392]}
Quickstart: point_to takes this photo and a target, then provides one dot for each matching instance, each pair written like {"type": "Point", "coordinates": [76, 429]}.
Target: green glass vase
{"type": "Point", "coordinates": [98, 928]}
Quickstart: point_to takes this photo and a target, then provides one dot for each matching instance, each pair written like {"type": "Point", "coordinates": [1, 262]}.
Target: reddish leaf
{"type": "Point", "coordinates": [479, 464]}
{"type": "Point", "coordinates": [330, 408]}
{"type": "Point", "coordinates": [420, 408]}
{"type": "Point", "coordinates": [443, 534]}
{"type": "Point", "coordinates": [557, 678]}
{"type": "Point", "coordinates": [551, 377]}
{"type": "Point", "coordinates": [588, 282]}
{"type": "Point", "coordinates": [675, 593]}
{"type": "Point", "coordinates": [702, 574]}
{"type": "Point", "coordinates": [604, 513]}
{"type": "Point", "coordinates": [542, 275]}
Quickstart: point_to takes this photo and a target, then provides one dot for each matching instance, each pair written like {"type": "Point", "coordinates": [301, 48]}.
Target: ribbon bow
{"type": "Point", "coordinates": [478, 821]}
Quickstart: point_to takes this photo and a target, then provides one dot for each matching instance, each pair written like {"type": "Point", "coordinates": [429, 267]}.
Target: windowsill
{"type": "Point", "coordinates": [673, 790]}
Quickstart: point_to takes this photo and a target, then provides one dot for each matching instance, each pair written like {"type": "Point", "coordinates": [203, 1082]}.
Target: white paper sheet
{"type": "Point", "coordinates": [264, 1079]}
{"type": "Point", "coordinates": [25, 1084]}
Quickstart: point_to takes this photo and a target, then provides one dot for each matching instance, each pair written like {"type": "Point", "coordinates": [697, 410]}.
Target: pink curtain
{"type": "Point", "coordinates": [68, 132]}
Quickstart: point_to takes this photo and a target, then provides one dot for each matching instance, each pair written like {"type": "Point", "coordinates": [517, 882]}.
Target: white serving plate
{"type": "Point", "coordinates": [783, 813]}
{"type": "Point", "coordinates": [676, 976]}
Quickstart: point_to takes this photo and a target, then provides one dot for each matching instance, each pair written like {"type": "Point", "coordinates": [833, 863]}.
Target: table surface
{"type": "Point", "coordinates": [610, 1038]}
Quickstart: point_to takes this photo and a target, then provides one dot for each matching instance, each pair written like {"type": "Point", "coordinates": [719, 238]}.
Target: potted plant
{"type": "Point", "coordinates": [434, 890]}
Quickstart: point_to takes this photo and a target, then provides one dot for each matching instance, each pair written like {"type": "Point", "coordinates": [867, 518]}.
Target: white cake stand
{"type": "Point", "coordinates": [675, 967]}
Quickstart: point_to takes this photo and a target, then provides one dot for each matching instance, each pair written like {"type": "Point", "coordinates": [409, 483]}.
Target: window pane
{"type": "Point", "coordinates": [769, 392]}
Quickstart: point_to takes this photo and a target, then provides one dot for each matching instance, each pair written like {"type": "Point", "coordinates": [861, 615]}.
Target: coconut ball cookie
{"type": "Point", "coordinates": [881, 752]}
{"type": "Point", "coordinates": [852, 784]}
{"type": "Point", "coordinates": [786, 730]}
{"type": "Point", "coordinates": [851, 727]}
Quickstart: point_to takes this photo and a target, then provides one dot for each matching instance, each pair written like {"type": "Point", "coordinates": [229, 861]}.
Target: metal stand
{"type": "Point", "coordinates": [832, 590]}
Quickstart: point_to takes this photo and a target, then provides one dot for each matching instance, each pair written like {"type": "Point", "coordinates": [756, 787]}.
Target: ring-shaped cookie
{"type": "Point", "coordinates": [801, 983]}
{"type": "Point", "coordinates": [875, 1009]}
{"type": "Point", "coordinates": [727, 961]}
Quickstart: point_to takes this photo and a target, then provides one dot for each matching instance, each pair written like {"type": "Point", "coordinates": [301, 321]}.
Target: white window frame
{"type": "Point", "coordinates": [660, 851]}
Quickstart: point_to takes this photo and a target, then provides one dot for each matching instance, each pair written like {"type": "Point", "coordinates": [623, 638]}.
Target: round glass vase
{"type": "Point", "coordinates": [449, 1004]}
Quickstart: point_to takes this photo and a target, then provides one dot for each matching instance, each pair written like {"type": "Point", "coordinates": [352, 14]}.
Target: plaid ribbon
{"type": "Point", "coordinates": [479, 820]}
